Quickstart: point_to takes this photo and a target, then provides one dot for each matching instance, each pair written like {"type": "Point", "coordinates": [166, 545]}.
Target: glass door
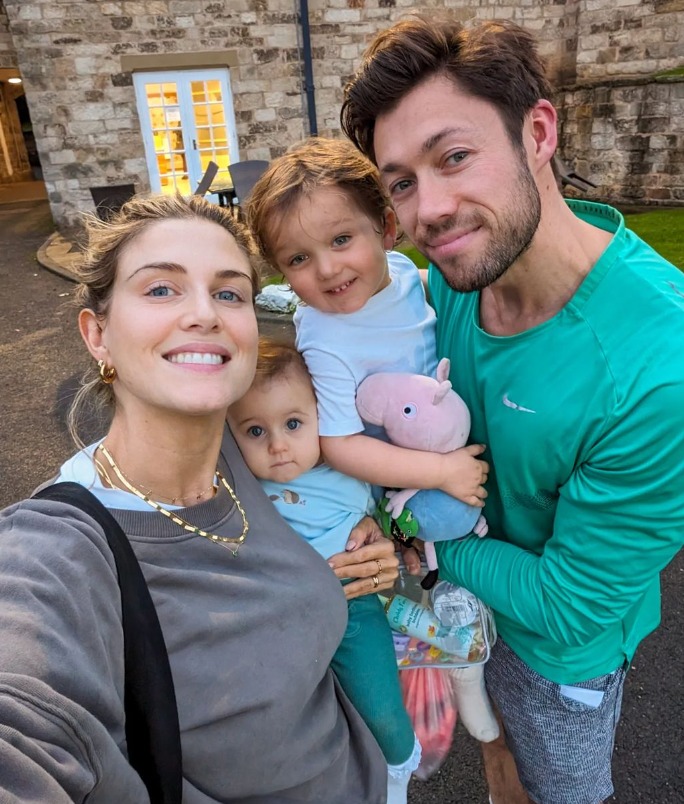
{"type": "Point", "coordinates": [187, 121]}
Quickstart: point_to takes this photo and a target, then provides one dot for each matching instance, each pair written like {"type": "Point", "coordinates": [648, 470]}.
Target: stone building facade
{"type": "Point", "coordinates": [99, 77]}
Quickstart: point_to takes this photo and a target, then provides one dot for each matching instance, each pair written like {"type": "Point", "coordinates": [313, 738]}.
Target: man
{"type": "Point", "coordinates": [566, 338]}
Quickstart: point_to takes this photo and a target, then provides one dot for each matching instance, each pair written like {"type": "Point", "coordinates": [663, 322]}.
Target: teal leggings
{"type": "Point", "coordinates": [366, 667]}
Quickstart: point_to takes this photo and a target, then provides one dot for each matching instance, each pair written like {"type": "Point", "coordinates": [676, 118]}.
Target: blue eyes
{"type": "Point", "coordinates": [227, 295]}
{"type": "Point", "coordinates": [299, 259]}
{"type": "Point", "coordinates": [400, 186]}
{"type": "Point", "coordinates": [257, 431]}
{"type": "Point", "coordinates": [451, 160]}
{"type": "Point", "coordinates": [164, 291]}
{"type": "Point", "coordinates": [457, 157]}
{"type": "Point", "coordinates": [159, 292]}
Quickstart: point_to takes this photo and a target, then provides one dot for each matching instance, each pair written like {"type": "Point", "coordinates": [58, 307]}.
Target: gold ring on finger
{"type": "Point", "coordinates": [376, 581]}
{"type": "Point", "coordinates": [379, 563]}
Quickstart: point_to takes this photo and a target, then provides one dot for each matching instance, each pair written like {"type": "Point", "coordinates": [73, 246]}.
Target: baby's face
{"type": "Point", "coordinates": [275, 425]}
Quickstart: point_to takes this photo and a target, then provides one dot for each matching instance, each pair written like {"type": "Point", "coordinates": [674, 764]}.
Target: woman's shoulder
{"type": "Point", "coordinates": [43, 531]}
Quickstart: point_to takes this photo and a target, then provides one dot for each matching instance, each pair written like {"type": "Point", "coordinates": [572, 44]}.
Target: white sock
{"type": "Point", "coordinates": [397, 788]}
{"type": "Point", "coordinates": [398, 776]}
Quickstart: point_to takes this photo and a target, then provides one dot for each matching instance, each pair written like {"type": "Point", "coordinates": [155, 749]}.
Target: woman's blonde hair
{"type": "Point", "coordinates": [306, 167]}
{"type": "Point", "coordinates": [106, 241]}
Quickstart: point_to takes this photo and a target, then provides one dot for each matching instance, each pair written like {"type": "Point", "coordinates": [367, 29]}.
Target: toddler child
{"type": "Point", "coordinates": [276, 427]}
{"type": "Point", "coordinates": [322, 217]}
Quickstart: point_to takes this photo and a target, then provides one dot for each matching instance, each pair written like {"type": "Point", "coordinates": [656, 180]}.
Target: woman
{"type": "Point", "coordinates": [167, 313]}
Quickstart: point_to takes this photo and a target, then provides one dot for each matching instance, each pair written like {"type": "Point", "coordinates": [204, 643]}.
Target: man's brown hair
{"type": "Point", "coordinates": [495, 61]}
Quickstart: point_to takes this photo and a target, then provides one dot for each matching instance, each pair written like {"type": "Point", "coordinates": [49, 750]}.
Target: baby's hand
{"type": "Point", "coordinates": [465, 475]}
{"type": "Point", "coordinates": [411, 558]}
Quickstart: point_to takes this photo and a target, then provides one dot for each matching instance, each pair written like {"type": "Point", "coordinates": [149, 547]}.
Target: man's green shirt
{"type": "Point", "coordinates": [583, 416]}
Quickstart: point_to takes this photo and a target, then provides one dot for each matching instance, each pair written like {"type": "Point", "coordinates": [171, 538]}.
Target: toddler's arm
{"type": "Point", "coordinates": [459, 473]}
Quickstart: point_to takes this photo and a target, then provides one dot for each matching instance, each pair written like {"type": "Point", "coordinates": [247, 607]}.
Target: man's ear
{"type": "Point", "coordinates": [389, 229]}
{"type": "Point", "coordinates": [91, 328]}
{"type": "Point", "coordinates": [540, 134]}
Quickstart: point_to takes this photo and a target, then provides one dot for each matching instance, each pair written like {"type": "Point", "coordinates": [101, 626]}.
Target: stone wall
{"type": "Point", "coordinates": [8, 56]}
{"type": "Point", "coordinates": [628, 138]}
{"type": "Point", "coordinates": [341, 30]}
{"type": "Point", "coordinates": [629, 37]}
{"type": "Point", "coordinates": [75, 58]}
{"type": "Point", "coordinates": [83, 102]}
{"type": "Point", "coordinates": [618, 127]}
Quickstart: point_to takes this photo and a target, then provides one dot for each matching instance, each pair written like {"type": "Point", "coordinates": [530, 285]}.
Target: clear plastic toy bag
{"type": "Point", "coordinates": [451, 627]}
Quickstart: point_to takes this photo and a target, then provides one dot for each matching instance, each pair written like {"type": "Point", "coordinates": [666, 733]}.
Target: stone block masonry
{"type": "Point", "coordinates": [78, 58]}
{"type": "Point", "coordinates": [627, 138]}
{"type": "Point", "coordinates": [83, 102]}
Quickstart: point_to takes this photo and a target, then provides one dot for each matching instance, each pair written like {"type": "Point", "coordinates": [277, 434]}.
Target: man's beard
{"type": "Point", "coordinates": [517, 227]}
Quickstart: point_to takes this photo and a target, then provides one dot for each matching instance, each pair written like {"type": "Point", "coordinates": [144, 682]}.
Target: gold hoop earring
{"type": "Point", "coordinates": [107, 373]}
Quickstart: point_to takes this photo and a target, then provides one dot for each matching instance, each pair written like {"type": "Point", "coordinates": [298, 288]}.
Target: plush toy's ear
{"type": "Point", "coordinates": [443, 369]}
{"type": "Point", "coordinates": [442, 390]}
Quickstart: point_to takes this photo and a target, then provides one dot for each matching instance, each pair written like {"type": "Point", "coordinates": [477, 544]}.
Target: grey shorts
{"type": "Point", "coordinates": [562, 746]}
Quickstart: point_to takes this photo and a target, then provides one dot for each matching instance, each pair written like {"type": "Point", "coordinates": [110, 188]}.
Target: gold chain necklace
{"type": "Point", "coordinates": [153, 494]}
{"type": "Point", "coordinates": [224, 541]}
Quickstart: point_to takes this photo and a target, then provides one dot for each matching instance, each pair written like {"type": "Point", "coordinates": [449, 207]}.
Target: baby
{"type": "Point", "coordinates": [276, 427]}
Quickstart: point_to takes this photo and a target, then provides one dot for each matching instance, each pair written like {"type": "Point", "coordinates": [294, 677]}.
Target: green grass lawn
{"type": "Point", "coordinates": [662, 229]}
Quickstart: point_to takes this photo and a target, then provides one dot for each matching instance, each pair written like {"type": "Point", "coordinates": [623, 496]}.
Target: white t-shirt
{"type": "Point", "coordinates": [393, 332]}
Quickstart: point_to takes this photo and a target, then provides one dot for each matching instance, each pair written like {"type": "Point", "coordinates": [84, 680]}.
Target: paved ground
{"type": "Point", "coordinates": [40, 360]}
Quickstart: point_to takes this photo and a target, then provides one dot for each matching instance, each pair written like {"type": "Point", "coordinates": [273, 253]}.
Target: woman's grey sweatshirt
{"type": "Point", "coordinates": [250, 639]}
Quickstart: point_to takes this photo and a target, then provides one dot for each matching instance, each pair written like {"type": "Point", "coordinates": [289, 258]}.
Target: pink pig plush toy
{"type": "Point", "coordinates": [420, 412]}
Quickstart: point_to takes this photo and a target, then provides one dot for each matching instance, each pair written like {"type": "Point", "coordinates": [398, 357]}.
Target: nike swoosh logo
{"type": "Point", "coordinates": [515, 406]}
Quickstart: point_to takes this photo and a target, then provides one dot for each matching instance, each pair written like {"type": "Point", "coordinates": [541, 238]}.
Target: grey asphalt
{"type": "Point", "coordinates": [41, 358]}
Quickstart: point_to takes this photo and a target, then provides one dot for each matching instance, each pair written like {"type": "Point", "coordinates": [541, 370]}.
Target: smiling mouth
{"type": "Point", "coordinates": [451, 237]}
{"type": "Point", "coordinates": [341, 288]}
{"type": "Point", "coordinates": [197, 358]}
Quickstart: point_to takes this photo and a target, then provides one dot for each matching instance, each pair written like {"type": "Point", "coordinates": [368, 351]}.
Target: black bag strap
{"type": "Point", "coordinates": [152, 731]}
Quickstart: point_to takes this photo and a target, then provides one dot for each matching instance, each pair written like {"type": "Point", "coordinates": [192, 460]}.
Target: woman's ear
{"type": "Point", "coordinates": [389, 229]}
{"type": "Point", "coordinates": [90, 327]}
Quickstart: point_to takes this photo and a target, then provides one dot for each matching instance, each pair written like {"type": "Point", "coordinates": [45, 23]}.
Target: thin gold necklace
{"type": "Point", "coordinates": [224, 541]}
{"type": "Point", "coordinates": [153, 495]}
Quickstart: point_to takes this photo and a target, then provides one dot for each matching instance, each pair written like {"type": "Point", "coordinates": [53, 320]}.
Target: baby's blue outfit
{"type": "Point", "coordinates": [323, 506]}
